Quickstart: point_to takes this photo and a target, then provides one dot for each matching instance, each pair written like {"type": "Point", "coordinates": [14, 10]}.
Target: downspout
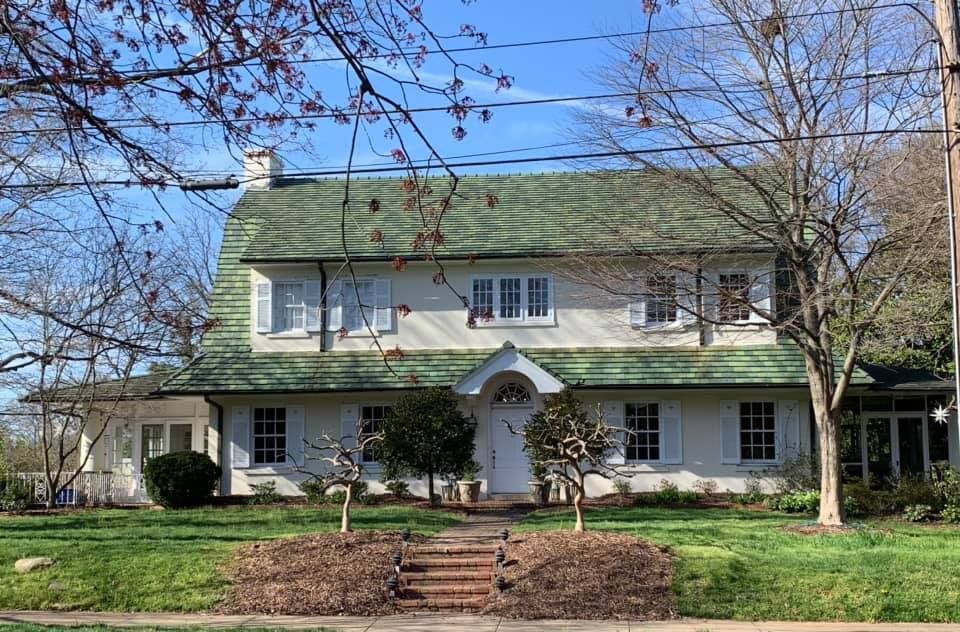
{"type": "Point", "coordinates": [701, 325]}
{"type": "Point", "coordinates": [220, 442]}
{"type": "Point", "coordinates": [323, 307]}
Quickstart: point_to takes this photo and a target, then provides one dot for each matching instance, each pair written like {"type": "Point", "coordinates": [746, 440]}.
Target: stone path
{"type": "Point", "coordinates": [443, 623]}
{"type": "Point", "coordinates": [479, 528]}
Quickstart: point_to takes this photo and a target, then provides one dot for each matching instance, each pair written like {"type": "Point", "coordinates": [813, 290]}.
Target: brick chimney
{"type": "Point", "coordinates": [261, 167]}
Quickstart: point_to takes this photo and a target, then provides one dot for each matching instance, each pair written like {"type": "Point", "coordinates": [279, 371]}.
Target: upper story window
{"type": "Point", "coordinates": [360, 306]}
{"type": "Point", "coordinates": [512, 393]}
{"type": "Point", "coordinates": [734, 297]}
{"type": "Point", "coordinates": [512, 299]}
{"type": "Point", "coordinates": [289, 307]}
{"type": "Point", "coordinates": [358, 314]}
{"type": "Point", "coordinates": [661, 300]}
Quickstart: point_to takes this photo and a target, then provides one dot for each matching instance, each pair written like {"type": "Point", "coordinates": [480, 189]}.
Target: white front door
{"type": "Point", "coordinates": [510, 469]}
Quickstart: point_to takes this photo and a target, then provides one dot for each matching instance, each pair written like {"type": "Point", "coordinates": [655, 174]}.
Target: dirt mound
{"type": "Point", "coordinates": [592, 575]}
{"type": "Point", "coordinates": [323, 574]}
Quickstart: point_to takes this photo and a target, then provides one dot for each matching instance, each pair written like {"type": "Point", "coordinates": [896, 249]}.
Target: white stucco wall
{"type": "Point", "coordinates": [585, 316]}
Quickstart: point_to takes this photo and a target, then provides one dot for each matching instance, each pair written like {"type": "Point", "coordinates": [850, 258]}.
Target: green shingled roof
{"type": "Point", "coordinates": [534, 215]}
{"type": "Point", "coordinates": [247, 372]}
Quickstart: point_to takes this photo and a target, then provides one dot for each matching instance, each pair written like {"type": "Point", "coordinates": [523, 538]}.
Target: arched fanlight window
{"type": "Point", "coordinates": [512, 393]}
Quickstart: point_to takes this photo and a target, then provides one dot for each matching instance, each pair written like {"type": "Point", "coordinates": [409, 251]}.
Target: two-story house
{"type": "Point", "coordinates": [298, 346]}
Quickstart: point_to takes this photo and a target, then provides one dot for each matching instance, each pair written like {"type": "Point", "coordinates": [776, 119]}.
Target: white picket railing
{"type": "Point", "coordinates": [87, 489]}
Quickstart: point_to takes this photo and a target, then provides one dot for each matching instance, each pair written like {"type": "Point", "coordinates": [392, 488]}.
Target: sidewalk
{"type": "Point", "coordinates": [442, 623]}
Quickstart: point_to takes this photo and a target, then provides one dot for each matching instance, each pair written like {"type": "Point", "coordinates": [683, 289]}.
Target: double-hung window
{"type": "Point", "coordinates": [642, 441]}
{"type": "Point", "coordinates": [758, 432]}
{"type": "Point", "coordinates": [289, 305]}
{"type": "Point", "coordinates": [269, 435]}
{"type": "Point", "coordinates": [358, 314]}
{"type": "Point", "coordinates": [512, 298]}
{"type": "Point", "coordinates": [660, 300]}
{"type": "Point", "coordinates": [372, 419]}
{"type": "Point", "coordinates": [734, 297]}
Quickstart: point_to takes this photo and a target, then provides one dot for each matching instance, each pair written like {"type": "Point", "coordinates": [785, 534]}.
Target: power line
{"type": "Point", "coordinates": [732, 88]}
{"type": "Point", "coordinates": [413, 51]}
{"type": "Point", "coordinates": [514, 161]}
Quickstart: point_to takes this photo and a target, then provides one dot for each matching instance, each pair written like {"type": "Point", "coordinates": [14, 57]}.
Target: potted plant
{"type": "Point", "coordinates": [539, 486]}
{"type": "Point", "coordinates": [468, 484]}
{"type": "Point", "coordinates": [448, 491]}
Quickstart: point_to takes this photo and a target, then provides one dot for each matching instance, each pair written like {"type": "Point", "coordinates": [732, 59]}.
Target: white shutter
{"type": "Point", "coordinates": [240, 437]}
{"type": "Point", "coordinates": [295, 429]}
{"type": "Point", "coordinates": [687, 307]}
{"type": "Point", "coordinates": [335, 305]}
{"type": "Point", "coordinates": [349, 414]}
{"type": "Point", "coordinates": [264, 307]}
{"type": "Point", "coordinates": [383, 319]}
{"type": "Point", "coordinates": [730, 430]}
{"type": "Point", "coordinates": [788, 428]}
{"type": "Point", "coordinates": [311, 302]}
{"type": "Point", "coordinates": [108, 451]}
{"type": "Point", "coordinates": [760, 294]}
{"type": "Point", "coordinates": [550, 312]}
{"type": "Point", "coordinates": [671, 432]}
{"type": "Point", "coordinates": [637, 313]}
{"type": "Point", "coordinates": [613, 415]}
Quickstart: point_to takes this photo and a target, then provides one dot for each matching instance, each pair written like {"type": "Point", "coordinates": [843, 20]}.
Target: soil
{"type": "Point", "coordinates": [591, 575]}
{"type": "Point", "coordinates": [322, 574]}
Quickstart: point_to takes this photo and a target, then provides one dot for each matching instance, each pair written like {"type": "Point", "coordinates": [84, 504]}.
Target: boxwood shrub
{"type": "Point", "coordinates": [181, 479]}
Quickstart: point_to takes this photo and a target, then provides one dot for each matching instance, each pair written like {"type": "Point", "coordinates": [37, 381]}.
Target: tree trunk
{"type": "Point", "coordinates": [831, 484]}
{"type": "Point", "coordinates": [345, 514]}
{"type": "Point", "coordinates": [578, 501]}
{"type": "Point", "coordinates": [430, 495]}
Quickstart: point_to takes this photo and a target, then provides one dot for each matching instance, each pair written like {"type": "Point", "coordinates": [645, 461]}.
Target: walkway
{"type": "Point", "coordinates": [442, 623]}
{"type": "Point", "coordinates": [482, 527]}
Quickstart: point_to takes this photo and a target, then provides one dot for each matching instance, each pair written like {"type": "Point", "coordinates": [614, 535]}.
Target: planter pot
{"type": "Point", "coordinates": [448, 492]}
{"type": "Point", "coordinates": [546, 492]}
{"type": "Point", "coordinates": [469, 491]}
{"type": "Point", "coordinates": [555, 492]}
{"type": "Point", "coordinates": [536, 492]}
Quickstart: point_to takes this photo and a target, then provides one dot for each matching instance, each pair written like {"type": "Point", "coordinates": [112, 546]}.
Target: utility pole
{"type": "Point", "coordinates": [949, 38]}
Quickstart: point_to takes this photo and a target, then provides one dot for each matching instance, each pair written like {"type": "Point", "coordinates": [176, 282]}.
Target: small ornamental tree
{"type": "Point", "coordinates": [426, 435]}
{"type": "Point", "coordinates": [343, 464]}
{"type": "Point", "coordinates": [571, 444]}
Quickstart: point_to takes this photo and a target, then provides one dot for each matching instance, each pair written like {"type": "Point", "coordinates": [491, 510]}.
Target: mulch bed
{"type": "Point", "coordinates": [322, 574]}
{"type": "Point", "coordinates": [592, 575]}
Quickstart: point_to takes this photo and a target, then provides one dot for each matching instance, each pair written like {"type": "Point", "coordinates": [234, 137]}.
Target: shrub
{"type": "Point", "coordinates": [15, 495]}
{"type": "Point", "coordinates": [915, 489]}
{"type": "Point", "coordinates": [946, 482]}
{"type": "Point", "coordinates": [313, 490]}
{"type": "Point", "coordinates": [917, 513]}
{"type": "Point", "coordinates": [706, 486]}
{"type": "Point", "coordinates": [951, 514]}
{"type": "Point", "coordinates": [181, 479]}
{"type": "Point", "coordinates": [861, 500]}
{"type": "Point", "coordinates": [687, 497]}
{"type": "Point", "coordinates": [398, 488]}
{"type": "Point", "coordinates": [264, 494]}
{"type": "Point", "coordinates": [796, 502]}
{"type": "Point", "coordinates": [622, 487]}
{"type": "Point", "coordinates": [667, 493]}
{"type": "Point", "coordinates": [796, 474]}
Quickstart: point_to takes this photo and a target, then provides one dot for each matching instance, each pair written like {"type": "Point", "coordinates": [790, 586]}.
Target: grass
{"type": "Point", "coordinates": [142, 560]}
{"type": "Point", "coordinates": [737, 564]}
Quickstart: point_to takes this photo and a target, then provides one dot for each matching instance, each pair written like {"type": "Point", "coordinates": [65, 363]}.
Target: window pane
{"type": "Point", "coordinates": [538, 297]}
{"type": "Point", "coordinates": [510, 298]}
{"type": "Point", "coordinates": [734, 292]}
{"type": "Point", "coordinates": [483, 299]}
{"type": "Point", "coordinates": [661, 299]}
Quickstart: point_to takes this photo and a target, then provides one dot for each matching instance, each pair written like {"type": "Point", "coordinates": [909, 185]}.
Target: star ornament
{"type": "Point", "coordinates": [941, 414]}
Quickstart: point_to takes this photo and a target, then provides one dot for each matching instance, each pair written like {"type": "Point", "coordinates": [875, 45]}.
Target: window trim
{"type": "Point", "coordinates": [659, 432]}
{"type": "Point", "coordinates": [524, 321]}
{"type": "Point", "coordinates": [777, 450]}
{"type": "Point", "coordinates": [253, 436]}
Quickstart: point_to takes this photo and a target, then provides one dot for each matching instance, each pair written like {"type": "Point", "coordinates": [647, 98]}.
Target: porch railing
{"type": "Point", "coordinates": [87, 489]}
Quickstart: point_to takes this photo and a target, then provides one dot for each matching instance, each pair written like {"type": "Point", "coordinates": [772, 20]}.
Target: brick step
{"type": "Point", "coordinates": [440, 591]}
{"type": "Point", "coordinates": [437, 577]}
{"type": "Point", "coordinates": [474, 550]}
{"type": "Point", "coordinates": [450, 564]}
{"type": "Point", "coordinates": [466, 605]}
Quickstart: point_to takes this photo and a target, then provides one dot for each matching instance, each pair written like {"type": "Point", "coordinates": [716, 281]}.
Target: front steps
{"type": "Point", "coordinates": [447, 577]}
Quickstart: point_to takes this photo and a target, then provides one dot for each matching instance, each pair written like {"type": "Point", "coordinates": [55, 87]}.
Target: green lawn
{"type": "Point", "coordinates": [142, 560]}
{"type": "Point", "coordinates": [741, 565]}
